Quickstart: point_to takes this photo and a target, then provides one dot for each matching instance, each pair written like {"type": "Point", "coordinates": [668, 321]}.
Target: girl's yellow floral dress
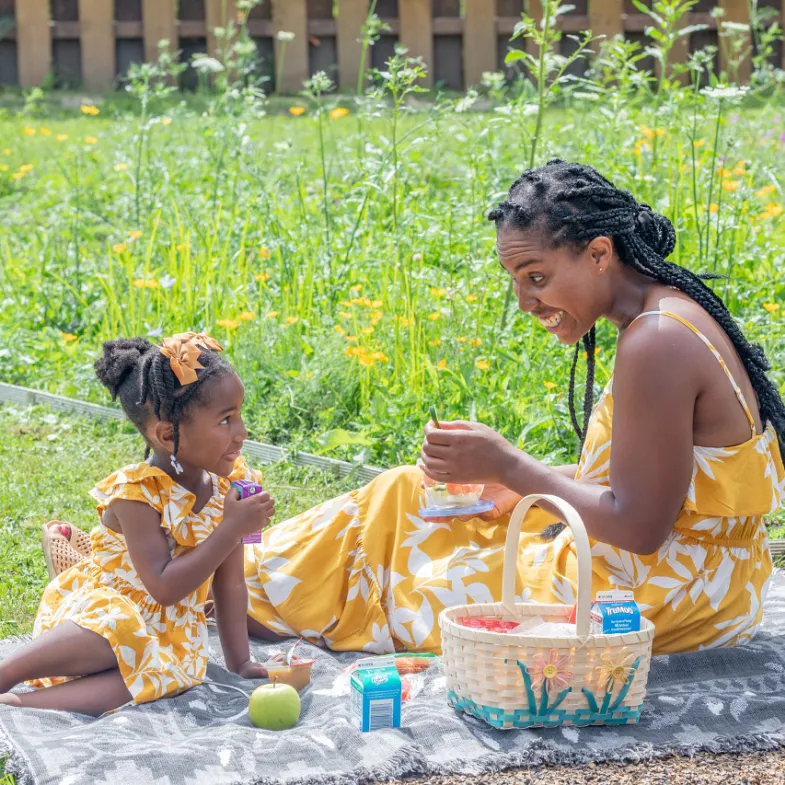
{"type": "Point", "coordinates": [161, 650]}
{"type": "Point", "coordinates": [365, 572]}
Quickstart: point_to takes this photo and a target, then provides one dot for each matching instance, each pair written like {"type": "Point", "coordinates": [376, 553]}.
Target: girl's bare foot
{"type": "Point", "coordinates": [10, 699]}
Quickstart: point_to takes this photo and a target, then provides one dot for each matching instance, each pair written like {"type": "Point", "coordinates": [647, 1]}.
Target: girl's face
{"type": "Point", "coordinates": [212, 433]}
{"type": "Point", "coordinates": [567, 292]}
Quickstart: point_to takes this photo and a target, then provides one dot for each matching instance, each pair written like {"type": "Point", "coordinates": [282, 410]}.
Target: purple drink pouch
{"type": "Point", "coordinates": [248, 488]}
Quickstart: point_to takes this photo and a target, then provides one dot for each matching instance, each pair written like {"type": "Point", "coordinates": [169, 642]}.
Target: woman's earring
{"type": "Point", "coordinates": [176, 465]}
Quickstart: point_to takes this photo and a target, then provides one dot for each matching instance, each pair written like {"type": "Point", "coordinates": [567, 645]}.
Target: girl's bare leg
{"type": "Point", "coordinates": [257, 630]}
{"type": "Point", "coordinates": [93, 695]}
{"type": "Point", "coordinates": [65, 650]}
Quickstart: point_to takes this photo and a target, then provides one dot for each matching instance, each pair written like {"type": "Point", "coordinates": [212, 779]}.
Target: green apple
{"type": "Point", "coordinates": [274, 707]}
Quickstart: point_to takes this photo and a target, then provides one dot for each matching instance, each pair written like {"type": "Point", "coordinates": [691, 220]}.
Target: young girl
{"type": "Point", "coordinates": [127, 623]}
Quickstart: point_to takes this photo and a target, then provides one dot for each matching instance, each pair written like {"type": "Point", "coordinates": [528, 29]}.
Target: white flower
{"type": "Point", "coordinates": [282, 35]}
{"type": "Point", "coordinates": [206, 65]}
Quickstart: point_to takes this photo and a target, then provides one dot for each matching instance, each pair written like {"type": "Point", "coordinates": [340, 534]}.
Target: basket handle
{"type": "Point", "coordinates": [582, 546]}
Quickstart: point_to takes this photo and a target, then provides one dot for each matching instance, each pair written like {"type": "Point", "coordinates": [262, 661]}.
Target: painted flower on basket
{"type": "Point", "coordinates": [553, 671]}
{"type": "Point", "coordinates": [616, 670]}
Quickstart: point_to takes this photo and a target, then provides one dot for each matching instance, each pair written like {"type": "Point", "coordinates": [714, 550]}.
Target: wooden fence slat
{"type": "Point", "coordinates": [218, 13]}
{"type": "Point", "coordinates": [96, 34]}
{"type": "Point", "coordinates": [351, 17]}
{"type": "Point", "coordinates": [479, 40]}
{"type": "Point", "coordinates": [159, 18]}
{"type": "Point", "coordinates": [33, 42]}
{"type": "Point", "coordinates": [605, 18]}
{"type": "Point", "coordinates": [735, 11]}
{"type": "Point", "coordinates": [291, 16]}
{"type": "Point", "coordinates": [416, 35]}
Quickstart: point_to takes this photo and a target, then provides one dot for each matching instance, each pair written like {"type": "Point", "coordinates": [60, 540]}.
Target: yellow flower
{"type": "Point", "coordinates": [730, 185]}
{"type": "Point", "coordinates": [7, 151]}
{"type": "Point", "coordinates": [724, 172]}
{"type": "Point", "coordinates": [264, 253]}
{"type": "Point", "coordinates": [435, 316]}
{"type": "Point", "coordinates": [292, 319]}
{"type": "Point", "coordinates": [90, 110]}
{"type": "Point", "coordinates": [90, 140]}
{"type": "Point", "coordinates": [739, 170]}
{"type": "Point", "coordinates": [166, 121]}
{"type": "Point", "coordinates": [772, 211]}
{"type": "Point", "coordinates": [376, 317]}
{"type": "Point", "coordinates": [549, 385]}
{"type": "Point", "coordinates": [271, 315]}
{"type": "Point", "coordinates": [356, 288]}
{"type": "Point", "coordinates": [771, 307]}
{"type": "Point", "coordinates": [461, 339]}
{"type": "Point", "coordinates": [29, 131]}
{"type": "Point", "coordinates": [699, 143]}
{"type": "Point", "coordinates": [182, 247]}
{"type": "Point", "coordinates": [139, 283]}
{"type": "Point", "coordinates": [18, 175]}
{"type": "Point", "coordinates": [471, 298]}
{"type": "Point", "coordinates": [153, 284]}
{"type": "Point", "coordinates": [69, 337]}
{"type": "Point", "coordinates": [659, 131]}
{"type": "Point", "coordinates": [45, 132]}
{"type": "Point", "coordinates": [437, 293]}
{"type": "Point", "coordinates": [475, 342]}
{"type": "Point", "coordinates": [135, 234]}
{"type": "Point", "coordinates": [61, 137]}
{"type": "Point", "coordinates": [435, 342]}
{"type": "Point", "coordinates": [3, 167]}
{"type": "Point", "coordinates": [296, 110]}
{"type": "Point", "coordinates": [338, 113]}
{"type": "Point", "coordinates": [352, 339]}
{"type": "Point", "coordinates": [483, 365]}
{"type": "Point", "coordinates": [714, 207]}
{"type": "Point", "coordinates": [121, 167]}
{"type": "Point", "coordinates": [339, 329]}
{"type": "Point", "coordinates": [229, 324]}
{"type": "Point", "coordinates": [368, 330]}
{"type": "Point", "coordinates": [441, 365]}
{"type": "Point", "coordinates": [376, 304]}
{"type": "Point", "coordinates": [766, 190]}
{"type": "Point", "coordinates": [405, 321]}
{"type": "Point", "coordinates": [366, 360]}
{"type": "Point", "coordinates": [25, 168]}
{"type": "Point", "coordinates": [262, 277]}
{"type": "Point", "coordinates": [646, 131]}
{"type": "Point", "coordinates": [344, 315]}
{"type": "Point", "coordinates": [380, 357]}
{"type": "Point", "coordinates": [246, 316]}
{"type": "Point", "coordinates": [119, 247]}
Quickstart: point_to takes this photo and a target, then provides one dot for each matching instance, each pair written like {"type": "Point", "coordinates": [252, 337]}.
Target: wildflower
{"type": "Point", "coordinates": [166, 121]}
{"type": "Point", "coordinates": [380, 357]}
{"type": "Point", "coordinates": [339, 329]}
{"type": "Point", "coordinates": [119, 247]}
{"type": "Point", "coordinates": [61, 137]}
{"type": "Point", "coordinates": [271, 315]}
{"type": "Point", "coordinates": [356, 288]}
{"type": "Point", "coordinates": [229, 324]}
{"type": "Point", "coordinates": [283, 35]}
{"type": "Point", "coordinates": [405, 322]}
{"type": "Point", "coordinates": [368, 330]}
{"type": "Point", "coordinates": [475, 342]}
{"type": "Point", "coordinates": [121, 167]}
{"type": "Point", "coordinates": [438, 293]}
{"type": "Point", "coordinates": [262, 277]}
{"type": "Point", "coordinates": [714, 207]}
{"type": "Point", "coordinates": [699, 143]}
{"type": "Point", "coordinates": [296, 110]}
{"type": "Point", "coordinates": [152, 284]}
{"type": "Point", "coordinates": [29, 131]}
{"type": "Point", "coordinates": [730, 185]}
{"type": "Point", "coordinates": [88, 109]}
{"type": "Point", "coordinates": [441, 365]}
{"type": "Point", "coordinates": [344, 315]}
{"type": "Point", "coordinates": [45, 132]}
{"type": "Point", "coordinates": [416, 257]}
{"type": "Point", "coordinates": [264, 253]}
{"type": "Point", "coordinates": [552, 672]}
{"type": "Point", "coordinates": [6, 151]}
{"type": "Point", "coordinates": [376, 304]}
{"type": "Point", "coordinates": [168, 281]}
{"type": "Point", "coordinates": [435, 316]}
{"type": "Point", "coordinates": [292, 319]}
{"type": "Point", "coordinates": [3, 167]}
{"type": "Point", "coordinates": [549, 385]}
{"type": "Point", "coordinates": [135, 234]}
{"type": "Point", "coordinates": [365, 360]}
{"type": "Point", "coordinates": [352, 339]}
{"type": "Point", "coordinates": [69, 337]}
{"type": "Point", "coordinates": [338, 113]}
{"type": "Point", "coordinates": [435, 342]}
{"type": "Point", "coordinates": [471, 298]}
{"type": "Point", "coordinates": [772, 211]}
{"type": "Point", "coordinates": [616, 669]}
{"type": "Point", "coordinates": [246, 316]}
{"type": "Point", "coordinates": [376, 317]}
{"type": "Point", "coordinates": [771, 307]}
{"type": "Point", "coordinates": [722, 172]}
{"type": "Point", "coordinates": [461, 339]}
{"type": "Point", "coordinates": [18, 175]}
{"type": "Point", "coordinates": [26, 168]}
{"type": "Point", "coordinates": [90, 140]}
{"type": "Point", "coordinates": [646, 131]}
{"type": "Point", "coordinates": [766, 190]}
{"type": "Point", "coordinates": [740, 169]}
{"type": "Point", "coordinates": [139, 283]}
{"type": "Point", "coordinates": [483, 365]}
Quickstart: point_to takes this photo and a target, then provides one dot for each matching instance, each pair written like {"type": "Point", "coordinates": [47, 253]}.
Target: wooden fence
{"type": "Point", "coordinates": [91, 43]}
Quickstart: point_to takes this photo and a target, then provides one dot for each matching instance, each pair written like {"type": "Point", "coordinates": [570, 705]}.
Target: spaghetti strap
{"type": "Point", "coordinates": [736, 388]}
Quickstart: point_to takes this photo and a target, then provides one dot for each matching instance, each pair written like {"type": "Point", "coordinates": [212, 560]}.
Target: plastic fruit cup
{"type": "Point", "coordinates": [297, 675]}
{"type": "Point", "coordinates": [448, 495]}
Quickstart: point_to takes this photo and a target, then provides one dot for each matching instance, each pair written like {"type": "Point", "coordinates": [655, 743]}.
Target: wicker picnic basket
{"type": "Point", "coordinates": [523, 681]}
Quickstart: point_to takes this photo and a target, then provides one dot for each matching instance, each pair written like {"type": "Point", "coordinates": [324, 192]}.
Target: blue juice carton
{"type": "Point", "coordinates": [247, 488]}
{"type": "Point", "coordinates": [614, 612]}
{"type": "Point", "coordinates": [376, 694]}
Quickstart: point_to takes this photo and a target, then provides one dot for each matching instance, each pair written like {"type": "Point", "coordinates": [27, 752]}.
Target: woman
{"type": "Point", "coordinates": [681, 458]}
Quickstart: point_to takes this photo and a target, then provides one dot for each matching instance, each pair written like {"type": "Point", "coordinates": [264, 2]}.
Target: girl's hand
{"type": "Point", "coordinates": [466, 452]}
{"type": "Point", "coordinates": [252, 670]}
{"type": "Point", "coordinates": [249, 515]}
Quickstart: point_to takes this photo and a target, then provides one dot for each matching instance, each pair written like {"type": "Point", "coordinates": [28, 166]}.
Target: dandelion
{"type": "Point", "coordinates": [475, 342]}
{"type": "Point", "coordinates": [89, 109]}
{"type": "Point", "coordinates": [264, 253]}
{"type": "Point", "coordinates": [292, 319]}
{"type": "Point", "coordinates": [698, 143]}
{"type": "Point", "coordinates": [69, 337]}
{"type": "Point", "coordinates": [246, 316]}
{"type": "Point", "coordinates": [616, 670]}
{"type": "Point", "coordinates": [766, 191]}
{"type": "Point", "coordinates": [135, 234]}
{"type": "Point", "coordinates": [435, 342]}
{"type": "Point", "coordinates": [483, 365]}
{"type": "Point", "coordinates": [552, 672]}
{"type": "Point", "coordinates": [730, 185]}
{"type": "Point", "coordinates": [45, 132]}
{"type": "Point", "coordinates": [271, 315]}
{"type": "Point", "coordinates": [61, 137]}
{"type": "Point", "coordinates": [441, 365]}
{"type": "Point", "coordinates": [339, 329]}
{"type": "Point", "coordinates": [262, 277]}
{"type": "Point", "coordinates": [471, 298]}
{"type": "Point", "coordinates": [151, 284]}
{"type": "Point", "coordinates": [435, 316]}
{"type": "Point", "coordinates": [438, 293]}
{"type": "Point", "coordinates": [121, 167]}
{"type": "Point", "coordinates": [338, 113]}
{"type": "Point", "coordinates": [119, 247]}
{"type": "Point", "coordinates": [29, 131]}
{"type": "Point", "coordinates": [714, 207]}
{"type": "Point", "coordinates": [228, 324]}
{"type": "Point", "coordinates": [139, 283]}
{"type": "Point", "coordinates": [461, 339]}
{"type": "Point", "coordinates": [771, 307]}
{"type": "Point", "coordinates": [90, 140]}
{"type": "Point", "coordinates": [549, 385]}
{"type": "Point", "coordinates": [296, 110]}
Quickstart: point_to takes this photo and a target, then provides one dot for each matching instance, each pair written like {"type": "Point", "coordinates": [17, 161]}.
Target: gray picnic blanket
{"type": "Point", "coordinates": [720, 700]}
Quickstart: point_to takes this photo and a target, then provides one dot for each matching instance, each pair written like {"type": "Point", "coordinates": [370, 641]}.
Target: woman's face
{"type": "Point", "coordinates": [567, 292]}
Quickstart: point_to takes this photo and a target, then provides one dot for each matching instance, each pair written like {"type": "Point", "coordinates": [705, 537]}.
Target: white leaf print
{"type": "Point", "coordinates": [128, 655]}
{"type": "Point", "coordinates": [280, 586]}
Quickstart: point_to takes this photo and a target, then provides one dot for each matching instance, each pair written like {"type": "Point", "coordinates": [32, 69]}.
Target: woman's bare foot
{"type": "Point", "coordinates": [10, 699]}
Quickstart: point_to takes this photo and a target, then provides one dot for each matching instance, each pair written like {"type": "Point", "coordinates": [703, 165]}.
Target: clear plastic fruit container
{"type": "Point", "coordinates": [450, 496]}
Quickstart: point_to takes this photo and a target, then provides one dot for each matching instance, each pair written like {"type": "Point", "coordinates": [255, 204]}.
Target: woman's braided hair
{"type": "Point", "coordinates": [135, 371]}
{"type": "Point", "coordinates": [571, 204]}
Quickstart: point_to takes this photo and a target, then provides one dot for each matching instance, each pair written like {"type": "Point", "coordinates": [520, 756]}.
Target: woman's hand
{"type": "Point", "coordinates": [252, 670]}
{"type": "Point", "coordinates": [466, 452]}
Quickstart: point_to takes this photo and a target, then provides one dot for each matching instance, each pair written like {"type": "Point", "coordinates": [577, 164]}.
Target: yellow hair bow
{"type": "Point", "coordinates": [183, 351]}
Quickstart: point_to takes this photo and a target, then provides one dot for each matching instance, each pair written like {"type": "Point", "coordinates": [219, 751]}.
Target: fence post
{"type": "Point", "coordinates": [351, 17]}
{"type": "Point", "coordinates": [605, 18]}
{"type": "Point", "coordinates": [159, 18]}
{"type": "Point", "coordinates": [217, 13]}
{"type": "Point", "coordinates": [479, 40]}
{"type": "Point", "coordinates": [735, 11]}
{"type": "Point", "coordinates": [96, 35]}
{"type": "Point", "coordinates": [33, 42]}
{"type": "Point", "coordinates": [291, 16]}
{"type": "Point", "coordinates": [416, 34]}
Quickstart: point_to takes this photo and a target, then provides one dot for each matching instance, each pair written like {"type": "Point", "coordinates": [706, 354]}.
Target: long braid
{"type": "Point", "coordinates": [573, 204]}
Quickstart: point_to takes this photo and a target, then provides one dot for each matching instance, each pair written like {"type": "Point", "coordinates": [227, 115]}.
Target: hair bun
{"type": "Point", "coordinates": [655, 230]}
{"type": "Point", "coordinates": [120, 357]}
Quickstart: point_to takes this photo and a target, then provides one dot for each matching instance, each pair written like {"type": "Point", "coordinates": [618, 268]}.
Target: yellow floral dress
{"type": "Point", "coordinates": [365, 572]}
{"type": "Point", "coordinates": [161, 650]}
